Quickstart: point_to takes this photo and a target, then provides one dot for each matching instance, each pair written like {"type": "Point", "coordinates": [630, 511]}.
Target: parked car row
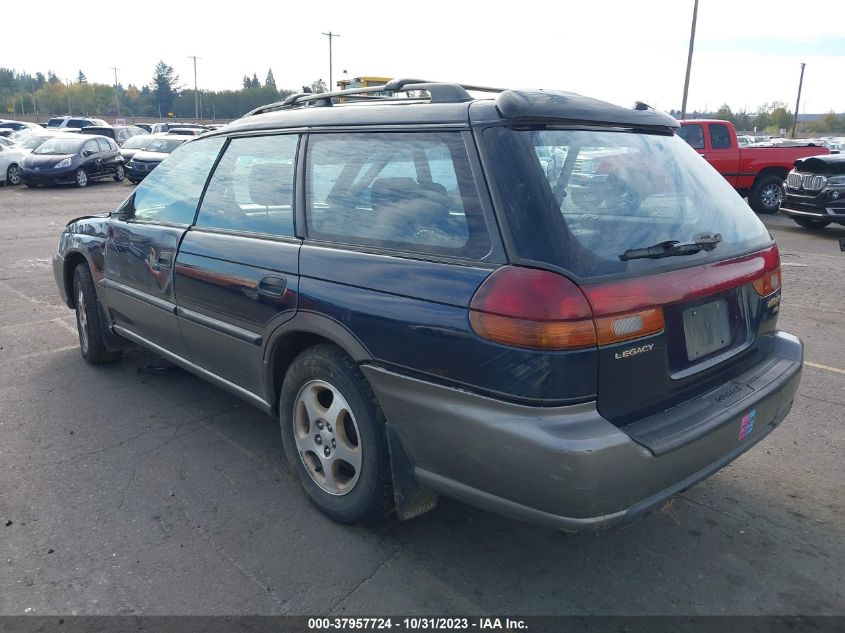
{"type": "Point", "coordinates": [62, 154]}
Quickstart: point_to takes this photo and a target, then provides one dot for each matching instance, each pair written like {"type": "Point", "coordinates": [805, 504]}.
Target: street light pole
{"type": "Point", "coordinates": [116, 92]}
{"type": "Point", "coordinates": [689, 60]}
{"type": "Point", "coordinates": [330, 35]}
{"type": "Point", "coordinates": [798, 101]}
{"type": "Point", "coordinates": [196, 94]}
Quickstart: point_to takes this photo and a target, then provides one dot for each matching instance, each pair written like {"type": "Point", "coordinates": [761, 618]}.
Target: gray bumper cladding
{"type": "Point", "coordinates": [567, 467]}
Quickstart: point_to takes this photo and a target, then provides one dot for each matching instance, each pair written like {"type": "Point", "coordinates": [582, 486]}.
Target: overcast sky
{"type": "Point", "coordinates": [748, 52]}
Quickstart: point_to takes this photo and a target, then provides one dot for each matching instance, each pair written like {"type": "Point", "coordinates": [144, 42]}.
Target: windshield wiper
{"type": "Point", "coordinates": [672, 248]}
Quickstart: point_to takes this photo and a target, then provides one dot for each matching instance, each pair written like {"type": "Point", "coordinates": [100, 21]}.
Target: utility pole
{"type": "Point", "coordinates": [34, 105]}
{"type": "Point", "coordinates": [798, 101]}
{"type": "Point", "coordinates": [330, 35]}
{"type": "Point", "coordinates": [196, 94]}
{"type": "Point", "coordinates": [116, 93]}
{"type": "Point", "coordinates": [689, 60]}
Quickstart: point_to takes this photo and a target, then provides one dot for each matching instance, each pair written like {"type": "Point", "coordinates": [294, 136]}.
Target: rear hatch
{"type": "Point", "coordinates": [681, 276]}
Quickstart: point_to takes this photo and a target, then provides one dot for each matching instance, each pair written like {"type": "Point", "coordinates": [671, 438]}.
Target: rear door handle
{"type": "Point", "coordinates": [165, 260]}
{"type": "Point", "coordinates": [272, 286]}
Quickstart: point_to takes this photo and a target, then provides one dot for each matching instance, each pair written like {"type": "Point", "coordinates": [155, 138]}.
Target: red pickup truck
{"type": "Point", "coordinates": [755, 172]}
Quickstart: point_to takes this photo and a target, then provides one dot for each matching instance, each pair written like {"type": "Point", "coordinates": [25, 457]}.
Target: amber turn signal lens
{"type": "Point", "coordinates": [623, 327]}
{"type": "Point", "coordinates": [517, 332]}
{"type": "Point", "coordinates": [768, 283]}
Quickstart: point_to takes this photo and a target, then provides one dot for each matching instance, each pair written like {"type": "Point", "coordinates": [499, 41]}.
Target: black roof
{"type": "Point", "coordinates": [449, 104]}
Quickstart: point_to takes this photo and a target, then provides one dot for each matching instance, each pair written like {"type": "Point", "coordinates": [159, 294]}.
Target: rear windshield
{"type": "Point", "coordinates": [165, 145]}
{"type": "Point", "coordinates": [138, 142]}
{"type": "Point", "coordinates": [578, 199]}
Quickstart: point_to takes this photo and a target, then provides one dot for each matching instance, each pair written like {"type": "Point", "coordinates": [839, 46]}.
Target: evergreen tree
{"type": "Point", "coordinates": [165, 85]}
{"type": "Point", "coordinates": [270, 81]}
{"type": "Point", "coordinates": [81, 78]}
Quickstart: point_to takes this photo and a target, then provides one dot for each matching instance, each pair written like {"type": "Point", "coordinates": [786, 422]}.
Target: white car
{"type": "Point", "coordinates": [10, 158]}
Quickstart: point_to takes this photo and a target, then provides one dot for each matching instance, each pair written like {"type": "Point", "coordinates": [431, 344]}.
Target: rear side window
{"type": "Point", "coordinates": [80, 123]}
{"type": "Point", "coordinates": [170, 194]}
{"type": "Point", "coordinates": [692, 134]}
{"type": "Point", "coordinates": [580, 199]}
{"type": "Point", "coordinates": [402, 191]}
{"type": "Point", "coordinates": [720, 138]}
{"type": "Point", "coordinates": [252, 187]}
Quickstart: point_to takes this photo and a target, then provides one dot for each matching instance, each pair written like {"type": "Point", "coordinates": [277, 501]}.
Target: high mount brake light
{"type": "Point", "coordinates": [538, 309]}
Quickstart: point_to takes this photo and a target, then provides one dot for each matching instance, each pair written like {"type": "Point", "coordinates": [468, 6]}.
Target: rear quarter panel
{"type": "Point", "coordinates": [412, 316]}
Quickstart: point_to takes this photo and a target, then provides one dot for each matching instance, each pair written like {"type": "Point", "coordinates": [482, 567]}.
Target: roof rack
{"type": "Point", "coordinates": [439, 92]}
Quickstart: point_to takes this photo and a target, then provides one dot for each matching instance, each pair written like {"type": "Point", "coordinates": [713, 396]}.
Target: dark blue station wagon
{"type": "Point", "coordinates": [538, 303]}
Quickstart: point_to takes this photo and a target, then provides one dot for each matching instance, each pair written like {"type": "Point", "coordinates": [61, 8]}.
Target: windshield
{"type": "Point", "coordinates": [57, 146]}
{"type": "Point", "coordinates": [165, 145]}
{"type": "Point", "coordinates": [138, 142]}
{"type": "Point", "coordinates": [32, 141]}
{"type": "Point", "coordinates": [579, 199]}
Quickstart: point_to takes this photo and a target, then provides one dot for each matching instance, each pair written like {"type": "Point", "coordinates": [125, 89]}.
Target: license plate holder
{"type": "Point", "coordinates": [706, 329]}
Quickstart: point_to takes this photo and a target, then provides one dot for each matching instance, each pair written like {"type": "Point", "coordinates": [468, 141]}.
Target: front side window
{"type": "Point", "coordinates": [90, 147]}
{"type": "Point", "coordinates": [171, 192]}
{"type": "Point", "coordinates": [692, 134]}
{"type": "Point", "coordinates": [104, 144]}
{"type": "Point", "coordinates": [252, 187]}
{"type": "Point", "coordinates": [401, 191]}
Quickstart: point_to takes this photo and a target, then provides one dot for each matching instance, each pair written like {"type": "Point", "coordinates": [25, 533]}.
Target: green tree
{"type": "Point", "coordinates": [318, 86]}
{"type": "Point", "coordinates": [270, 81]}
{"type": "Point", "coordinates": [724, 112]}
{"type": "Point", "coordinates": [165, 87]}
{"type": "Point", "coordinates": [81, 78]}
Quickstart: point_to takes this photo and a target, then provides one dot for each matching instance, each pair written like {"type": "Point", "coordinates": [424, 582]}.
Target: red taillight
{"type": "Point", "coordinates": [523, 307]}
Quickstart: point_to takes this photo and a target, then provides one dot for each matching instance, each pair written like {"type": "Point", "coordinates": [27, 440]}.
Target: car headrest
{"type": "Point", "coordinates": [271, 184]}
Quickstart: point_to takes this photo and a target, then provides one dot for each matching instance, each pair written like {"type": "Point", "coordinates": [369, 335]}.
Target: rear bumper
{"type": "Point", "coordinates": [568, 467]}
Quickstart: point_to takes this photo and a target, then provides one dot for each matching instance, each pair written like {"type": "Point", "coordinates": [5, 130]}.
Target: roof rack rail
{"type": "Point", "coordinates": [439, 92]}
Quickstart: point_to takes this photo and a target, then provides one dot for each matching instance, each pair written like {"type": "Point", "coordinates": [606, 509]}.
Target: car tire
{"type": "Point", "coordinates": [766, 194]}
{"type": "Point", "coordinates": [811, 223]}
{"type": "Point", "coordinates": [88, 324]}
{"type": "Point", "coordinates": [13, 175]}
{"type": "Point", "coordinates": [81, 178]}
{"type": "Point", "coordinates": [119, 173]}
{"type": "Point", "coordinates": [326, 405]}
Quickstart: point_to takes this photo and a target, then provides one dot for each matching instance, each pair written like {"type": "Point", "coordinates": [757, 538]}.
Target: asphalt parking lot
{"type": "Point", "coordinates": [134, 493]}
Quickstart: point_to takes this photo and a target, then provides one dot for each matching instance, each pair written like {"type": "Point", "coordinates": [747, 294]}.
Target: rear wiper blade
{"type": "Point", "coordinates": [672, 248]}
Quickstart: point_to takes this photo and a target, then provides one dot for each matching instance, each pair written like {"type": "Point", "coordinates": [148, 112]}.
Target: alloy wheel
{"type": "Point", "coordinates": [327, 437]}
{"type": "Point", "coordinates": [82, 319]}
{"type": "Point", "coordinates": [771, 196]}
{"type": "Point", "coordinates": [13, 175]}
